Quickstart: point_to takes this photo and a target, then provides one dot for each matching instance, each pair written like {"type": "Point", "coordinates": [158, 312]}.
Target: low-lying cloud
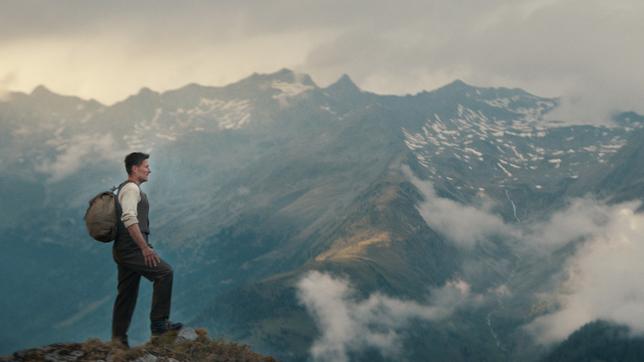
{"type": "Point", "coordinates": [72, 153]}
{"type": "Point", "coordinates": [581, 218]}
{"type": "Point", "coordinates": [350, 325]}
{"type": "Point", "coordinates": [465, 225]}
{"type": "Point", "coordinates": [601, 280]}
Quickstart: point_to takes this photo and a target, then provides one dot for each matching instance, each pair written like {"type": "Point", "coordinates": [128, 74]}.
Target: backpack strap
{"type": "Point", "coordinates": [119, 187]}
{"type": "Point", "coordinates": [119, 210]}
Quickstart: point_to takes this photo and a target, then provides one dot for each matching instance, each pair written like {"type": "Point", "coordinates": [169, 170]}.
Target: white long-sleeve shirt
{"type": "Point", "coordinates": [129, 198]}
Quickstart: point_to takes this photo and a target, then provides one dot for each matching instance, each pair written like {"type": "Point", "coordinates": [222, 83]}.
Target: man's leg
{"type": "Point", "coordinates": [128, 291]}
{"type": "Point", "coordinates": [162, 276]}
{"type": "Point", "coordinates": [162, 292]}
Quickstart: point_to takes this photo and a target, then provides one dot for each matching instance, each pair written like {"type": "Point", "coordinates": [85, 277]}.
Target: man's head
{"type": "Point", "coordinates": [137, 166]}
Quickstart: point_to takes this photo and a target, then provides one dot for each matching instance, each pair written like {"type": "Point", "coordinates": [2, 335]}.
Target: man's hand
{"type": "Point", "coordinates": [151, 257]}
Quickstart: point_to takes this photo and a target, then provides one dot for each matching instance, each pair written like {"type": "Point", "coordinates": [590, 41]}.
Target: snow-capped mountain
{"type": "Point", "coordinates": [258, 183]}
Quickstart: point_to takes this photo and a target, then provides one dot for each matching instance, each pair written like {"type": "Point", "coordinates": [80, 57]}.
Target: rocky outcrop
{"type": "Point", "coordinates": [187, 345]}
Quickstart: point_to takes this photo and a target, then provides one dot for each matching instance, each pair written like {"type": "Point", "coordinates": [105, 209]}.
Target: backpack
{"type": "Point", "coordinates": [101, 217]}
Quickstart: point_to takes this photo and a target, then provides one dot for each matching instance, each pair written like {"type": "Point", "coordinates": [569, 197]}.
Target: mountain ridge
{"type": "Point", "coordinates": [260, 182]}
{"type": "Point", "coordinates": [283, 75]}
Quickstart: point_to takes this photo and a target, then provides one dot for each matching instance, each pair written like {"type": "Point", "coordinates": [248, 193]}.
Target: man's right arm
{"type": "Point", "coordinates": [129, 197]}
{"type": "Point", "coordinates": [150, 256]}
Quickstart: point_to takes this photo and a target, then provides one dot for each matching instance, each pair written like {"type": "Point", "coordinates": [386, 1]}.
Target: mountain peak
{"type": "Point", "coordinates": [144, 94]}
{"type": "Point", "coordinates": [460, 87]}
{"type": "Point", "coordinates": [457, 84]}
{"type": "Point", "coordinates": [283, 72]}
{"type": "Point", "coordinates": [344, 85]}
{"type": "Point", "coordinates": [145, 91]}
{"type": "Point", "coordinates": [454, 88]}
{"type": "Point", "coordinates": [345, 80]}
{"type": "Point", "coordinates": [283, 75]}
{"type": "Point", "coordinates": [41, 90]}
{"type": "Point", "coordinates": [42, 94]}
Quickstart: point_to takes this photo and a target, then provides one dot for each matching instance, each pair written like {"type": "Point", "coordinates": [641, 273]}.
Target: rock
{"type": "Point", "coordinates": [59, 354]}
{"type": "Point", "coordinates": [188, 343]}
{"type": "Point", "coordinates": [147, 358]}
{"type": "Point", "coordinates": [187, 334]}
{"type": "Point", "coordinates": [77, 353]}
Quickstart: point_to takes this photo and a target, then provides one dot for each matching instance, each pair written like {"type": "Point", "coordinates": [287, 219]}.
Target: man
{"type": "Point", "coordinates": [135, 257]}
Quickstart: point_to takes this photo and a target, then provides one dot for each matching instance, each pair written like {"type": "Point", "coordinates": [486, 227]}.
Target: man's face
{"type": "Point", "coordinates": [142, 171]}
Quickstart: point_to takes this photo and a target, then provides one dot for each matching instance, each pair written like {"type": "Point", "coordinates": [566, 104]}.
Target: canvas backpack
{"type": "Point", "coordinates": [101, 217]}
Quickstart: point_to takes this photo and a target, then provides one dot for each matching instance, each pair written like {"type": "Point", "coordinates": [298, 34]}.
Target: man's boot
{"type": "Point", "coordinates": [121, 341]}
{"type": "Point", "coordinates": [160, 327]}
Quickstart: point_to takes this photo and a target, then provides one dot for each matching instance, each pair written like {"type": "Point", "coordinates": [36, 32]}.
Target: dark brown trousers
{"type": "Point", "coordinates": [131, 266]}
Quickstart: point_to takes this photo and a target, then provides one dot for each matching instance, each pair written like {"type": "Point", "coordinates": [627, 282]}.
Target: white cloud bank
{"type": "Point", "coordinates": [602, 280]}
{"type": "Point", "coordinates": [349, 325]}
{"type": "Point", "coordinates": [74, 152]}
{"type": "Point", "coordinates": [465, 225]}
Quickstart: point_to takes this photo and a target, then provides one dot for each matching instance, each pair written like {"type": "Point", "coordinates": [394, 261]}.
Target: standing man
{"type": "Point", "coordinates": [135, 257]}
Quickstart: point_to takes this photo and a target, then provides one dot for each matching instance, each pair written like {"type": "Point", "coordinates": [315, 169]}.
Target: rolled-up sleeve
{"type": "Point", "coordinates": [129, 198]}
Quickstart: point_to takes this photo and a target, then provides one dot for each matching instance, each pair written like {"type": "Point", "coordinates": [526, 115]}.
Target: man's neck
{"type": "Point", "coordinates": [135, 180]}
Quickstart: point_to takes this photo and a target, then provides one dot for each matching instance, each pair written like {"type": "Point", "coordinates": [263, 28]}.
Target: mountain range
{"type": "Point", "coordinates": [322, 223]}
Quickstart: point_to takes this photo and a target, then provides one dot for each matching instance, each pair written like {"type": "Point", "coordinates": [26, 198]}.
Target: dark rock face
{"type": "Point", "coordinates": [599, 341]}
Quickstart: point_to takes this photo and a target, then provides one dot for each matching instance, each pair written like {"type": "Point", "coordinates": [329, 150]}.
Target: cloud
{"type": "Point", "coordinates": [109, 51]}
{"type": "Point", "coordinates": [551, 48]}
{"type": "Point", "coordinates": [349, 325]}
{"type": "Point", "coordinates": [113, 66]}
{"type": "Point", "coordinates": [588, 52]}
{"type": "Point", "coordinates": [5, 85]}
{"type": "Point", "coordinates": [465, 225]}
{"type": "Point", "coordinates": [603, 280]}
{"type": "Point", "coordinates": [581, 218]}
{"type": "Point", "coordinates": [74, 152]}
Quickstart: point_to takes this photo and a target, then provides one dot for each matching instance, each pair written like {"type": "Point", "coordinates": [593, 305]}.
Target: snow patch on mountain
{"type": "Point", "coordinates": [527, 114]}
{"type": "Point", "coordinates": [508, 150]}
{"type": "Point", "coordinates": [169, 125]}
{"type": "Point", "coordinates": [227, 114]}
{"type": "Point", "coordinates": [289, 90]}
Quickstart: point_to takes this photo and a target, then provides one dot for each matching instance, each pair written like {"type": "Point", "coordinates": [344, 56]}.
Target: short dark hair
{"type": "Point", "coordinates": [134, 159]}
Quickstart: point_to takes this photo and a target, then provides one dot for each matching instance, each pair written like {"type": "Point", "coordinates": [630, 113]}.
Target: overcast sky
{"type": "Point", "coordinates": [588, 51]}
